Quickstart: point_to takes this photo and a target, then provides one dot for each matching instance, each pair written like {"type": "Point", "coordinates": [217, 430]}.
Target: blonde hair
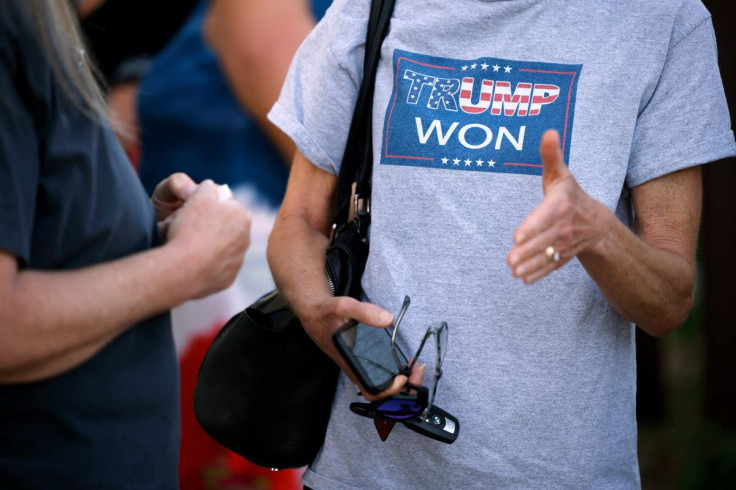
{"type": "Point", "coordinates": [58, 29]}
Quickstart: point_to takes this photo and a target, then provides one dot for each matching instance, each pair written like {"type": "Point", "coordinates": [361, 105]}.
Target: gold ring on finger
{"type": "Point", "coordinates": [552, 254]}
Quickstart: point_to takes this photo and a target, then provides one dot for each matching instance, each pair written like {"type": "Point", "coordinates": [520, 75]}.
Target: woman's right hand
{"type": "Point", "coordinates": [322, 319]}
{"type": "Point", "coordinates": [210, 236]}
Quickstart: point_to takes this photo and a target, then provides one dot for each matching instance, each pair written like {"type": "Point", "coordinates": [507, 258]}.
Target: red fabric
{"type": "Point", "coordinates": [134, 153]}
{"type": "Point", "coordinates": [204, 464]}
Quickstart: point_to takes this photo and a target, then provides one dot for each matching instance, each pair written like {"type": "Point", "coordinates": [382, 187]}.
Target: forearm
{"type": "Point", "coordinates": [648, 284]}
{"type": "Point", "coordinates": [53, 321]}
{"type": "Point", "coordinates": [299, 239]}
{"type": "Point", "coordinates": [296, 255]}
{"type": "Point", "coordinates": [647, 274]}
{"type": "Point", "coordinates": [255, 42]}
{"type": "Point", "coordinates": [257, 95]}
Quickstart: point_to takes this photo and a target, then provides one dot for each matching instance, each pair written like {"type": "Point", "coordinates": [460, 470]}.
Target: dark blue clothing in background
{"type": "Point", "coordinates": [70, 199]}
{"type": "Point", "coordinates": [191, 122]}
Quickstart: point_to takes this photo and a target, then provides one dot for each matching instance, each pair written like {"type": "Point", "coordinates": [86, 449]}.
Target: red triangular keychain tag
{"type": "Point", "coordinates": [384, 427]}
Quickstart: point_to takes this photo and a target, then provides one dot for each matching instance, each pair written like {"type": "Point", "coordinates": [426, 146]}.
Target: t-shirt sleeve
{"type": "Point", "coordinates": [686, 121]}
{"type": "Point", "coordinates": [19, 157]}
{"type": "Point", "coordinates": [317, 100]}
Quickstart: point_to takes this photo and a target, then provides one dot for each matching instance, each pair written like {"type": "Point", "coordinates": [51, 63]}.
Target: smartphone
{"type": "Point", "coordinates": [367, 351]}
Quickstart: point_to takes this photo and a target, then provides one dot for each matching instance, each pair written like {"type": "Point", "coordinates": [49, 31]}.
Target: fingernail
{"type": "Point", "coordinates": [386, 317]}
{"type": "Point", "coordinates": [187, 192]}
{"type": "Point", "coordinates": [224, 193]}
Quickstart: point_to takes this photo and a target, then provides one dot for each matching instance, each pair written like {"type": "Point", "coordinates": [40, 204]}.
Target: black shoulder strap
{"type": "Point", "coordinates": [357, 160]}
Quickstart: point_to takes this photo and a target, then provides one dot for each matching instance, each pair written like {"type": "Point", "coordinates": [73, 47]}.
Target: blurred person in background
{"type": "Point", "coordinates": [88, 375]}
{"type": "Point", "coordinates": [123, 36]}
{"type": "Point", "coordinates": [202, 109]}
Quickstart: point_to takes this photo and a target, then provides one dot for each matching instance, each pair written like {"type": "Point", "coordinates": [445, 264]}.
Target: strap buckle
{"type": "Point", "coordinates": [361, 206]}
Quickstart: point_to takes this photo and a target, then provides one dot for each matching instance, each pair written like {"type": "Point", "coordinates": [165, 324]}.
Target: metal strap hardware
{"type": "Point", "coordinates": [361, 205]}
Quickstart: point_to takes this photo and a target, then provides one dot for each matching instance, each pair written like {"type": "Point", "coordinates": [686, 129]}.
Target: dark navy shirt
{"type": "Point", "coordinates": [69, 199]}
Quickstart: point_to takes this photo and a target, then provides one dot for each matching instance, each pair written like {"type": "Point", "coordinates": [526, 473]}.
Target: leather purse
{"type": "Point", "coordinates": [264, 389]}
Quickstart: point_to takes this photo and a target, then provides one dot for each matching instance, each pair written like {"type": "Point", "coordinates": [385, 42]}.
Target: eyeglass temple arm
{"type": "Point", "coordinates": [404, 307]}
{"type": "Point", "coordinates": [427, 334]}
{"type": "Point", "coordinates": [437, 367]}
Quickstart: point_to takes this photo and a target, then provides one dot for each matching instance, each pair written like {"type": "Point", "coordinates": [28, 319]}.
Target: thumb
{"type": "Point", "coordinates": [417, 374]}
{"type": "Point", "coordinates": [554, 167]}
{"type": "Point", "coordinates": [176, 187]}
{"type": "Point", "coordinates": [182, 186]}
{"type": "Point", "coordinates": [367, 313]}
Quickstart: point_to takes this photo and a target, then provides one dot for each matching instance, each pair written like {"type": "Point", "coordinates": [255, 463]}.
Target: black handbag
{"type": "Point", "coordinates": [264, 389]}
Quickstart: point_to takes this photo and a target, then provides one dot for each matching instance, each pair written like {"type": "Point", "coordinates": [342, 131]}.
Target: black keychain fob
{"type": "Point", "coordinates": [439, 425]}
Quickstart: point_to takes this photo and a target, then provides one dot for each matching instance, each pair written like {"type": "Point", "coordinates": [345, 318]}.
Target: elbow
{"type": "Point", "coordinates": [20, 342]}
{"type": "Point", "coordinates": [18, 337]}
{"type": "Point", "coordinates": [10, 351]}
{"type": "Point", "coordinates": [670, 307]}
{"type": "Point", "coordinates": [270, 253]}
{"type": "Point", "coordinates": [242, 56]}
{"type": "Point", "coordinates": [671, 318]}
{"type": "Point", "coordinates": [272, 246]}
{"type": "Point", "coordinates": [278, 240]}
{"type": "Point", "coordinates": [12, 360]}
{"type": "Point", "coordinates": [14, 353]}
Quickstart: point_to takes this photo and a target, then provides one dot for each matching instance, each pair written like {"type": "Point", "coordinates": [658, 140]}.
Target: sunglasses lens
{"type": "Point", "coordinates": [399, 409]}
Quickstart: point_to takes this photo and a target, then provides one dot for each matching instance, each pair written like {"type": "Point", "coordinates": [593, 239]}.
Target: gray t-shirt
{"type": "Point", "coordinates": [542, 377]}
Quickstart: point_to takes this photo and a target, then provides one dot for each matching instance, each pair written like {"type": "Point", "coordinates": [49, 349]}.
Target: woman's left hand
{"type": "Point", "coordinates": [567, 221]}
{"type": "Point", "coordinates": [171, 194]}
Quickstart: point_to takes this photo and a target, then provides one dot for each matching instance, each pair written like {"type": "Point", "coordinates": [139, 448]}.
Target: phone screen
{"type": "Point", "coordinates": [369, 353]}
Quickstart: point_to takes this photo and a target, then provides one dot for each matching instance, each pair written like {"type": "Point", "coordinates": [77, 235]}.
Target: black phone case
{"type": "Point", "coordinates": [352, 361]}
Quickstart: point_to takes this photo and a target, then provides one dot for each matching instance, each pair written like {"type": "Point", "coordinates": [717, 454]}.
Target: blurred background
{"type": "Point", "coordinates": [191, 82]}
{"type": "Point", "coordinates": [687, 381]}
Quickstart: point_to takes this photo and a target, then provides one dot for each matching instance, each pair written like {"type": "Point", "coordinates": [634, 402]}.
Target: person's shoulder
{"type": "Point", "coordinates": [350, 8]}
{"type": "Point", "coordinates": [13, 17]}
{"type": "Point", "coordinates": [658, 7]}
{"type": "Point", "coordinates": [693, 10]}
{"type": "Point", "coordinates": [15, 25]}
{"type": "Point", "coordinates": [670, 20]}
{"type": "Point", "coordinates": [8, 14]}
{"type": "Point", "coordinates": [342, 30]}
{"type": "Point", "coordinates": [690, 15]}
{"type": "Point", "coordinates": [671, 11]}
{"type": "Point", "coordinates": [342, 17]}
{"type": "Point", "coordinates": [683, 16]}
